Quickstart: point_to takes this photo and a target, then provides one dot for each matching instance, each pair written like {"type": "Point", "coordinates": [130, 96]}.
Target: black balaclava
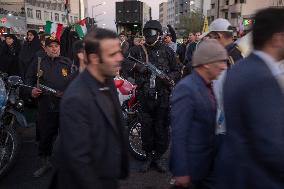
{"type": "Point", "coordinates": [151, 36]}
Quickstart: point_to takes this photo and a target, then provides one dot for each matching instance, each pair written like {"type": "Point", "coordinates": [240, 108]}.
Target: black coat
{"type": "Point", "coordinates": [9, 57]}
{"type": "Point", "coordinates": [91, 152]}
{"type": "Point", "coordinates": [28, 52]}
{"type": "Point", "coordinates": [67, 39]}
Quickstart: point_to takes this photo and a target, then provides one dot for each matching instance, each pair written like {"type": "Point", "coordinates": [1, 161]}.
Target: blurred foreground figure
{"type": "Point", "coordinates": [253, 152]}
{"type": "Point", "coordinates": [91, 152]}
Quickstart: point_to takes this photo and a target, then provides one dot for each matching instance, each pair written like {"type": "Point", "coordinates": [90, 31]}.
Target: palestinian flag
{"type": "Point", "coordinates": [54, 29]}
{"type": "Point", "coordinates": [81, 28]}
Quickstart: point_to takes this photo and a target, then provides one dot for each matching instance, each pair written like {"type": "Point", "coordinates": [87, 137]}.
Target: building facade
{"type": "Point", "coordinates": [239, 12]}
{"type": "Point", "coordinates": [163, 13]}
{"type": "Point", "coordinates": [37, 12]}
{"type": "Point", "coordinates": [178, 8]}
{"type": "Point", "coordinates": [206, 6]}
{"type": "Point", "coordinates": [12, 17]}
{"type": "Point", "coordinates": [40, 11]}
{"type": "Point", "coordinates": [171, 16]}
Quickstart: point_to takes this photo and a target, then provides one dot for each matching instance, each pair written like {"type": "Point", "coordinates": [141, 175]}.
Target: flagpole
{"type": "Point", "coordinates": [80, 9]}
{"type": "Point", "coordinates": [67, 12]}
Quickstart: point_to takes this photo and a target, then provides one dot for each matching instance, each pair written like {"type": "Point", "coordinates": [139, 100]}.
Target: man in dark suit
{"type": "Point", "coordinates": [91, 152]}
{"type": "Point", "coordinates": [193, 112]}
{"type": "Point", "coordinates": [123, 44]}
{"type": "Point", "coordinates": [252, 155]}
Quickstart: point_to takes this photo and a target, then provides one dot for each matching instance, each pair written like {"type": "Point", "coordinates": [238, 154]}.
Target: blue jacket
{"type": "Point", "coordinates": [252, 156]}
{"type": "Point", "coordinates": [193, 129]}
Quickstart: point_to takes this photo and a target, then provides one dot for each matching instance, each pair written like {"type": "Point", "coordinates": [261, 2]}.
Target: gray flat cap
{"type": "Point", "coordinates": [209, 51]}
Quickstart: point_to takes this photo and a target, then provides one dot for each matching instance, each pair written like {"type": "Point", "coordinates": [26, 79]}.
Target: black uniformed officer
{"type": "Point", "coordinates": [153, 92]}
{"type": "Point", "coordinates": [54, 71]}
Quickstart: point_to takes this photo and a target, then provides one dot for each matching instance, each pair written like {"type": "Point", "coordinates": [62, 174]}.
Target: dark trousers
{"type": "Point", "coordinates": [155, 128]}
{"type": "Point", "coordinates": [48, 124]}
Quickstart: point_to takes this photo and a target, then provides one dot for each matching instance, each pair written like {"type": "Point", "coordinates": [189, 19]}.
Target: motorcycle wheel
{"type": "Point", "coordinates": [9, 148]}
{"type": "Point", "coordinates": [135, 141]}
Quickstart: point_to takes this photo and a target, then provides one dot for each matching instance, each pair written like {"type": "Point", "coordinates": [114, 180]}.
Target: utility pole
{"type": "Point", "coordinates": [218, 8]}
{"type": "Point", "coordinates": [80, 9]}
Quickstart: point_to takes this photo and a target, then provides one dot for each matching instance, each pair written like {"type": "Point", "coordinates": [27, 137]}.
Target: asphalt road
{"type": "Point", "coordinates": [20, 177]}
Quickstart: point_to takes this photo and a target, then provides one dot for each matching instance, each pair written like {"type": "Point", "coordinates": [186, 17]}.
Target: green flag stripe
{"type": "Point", "coordinates": [48, 26]}
{"type": "Point", "coordinates": [79, 30]}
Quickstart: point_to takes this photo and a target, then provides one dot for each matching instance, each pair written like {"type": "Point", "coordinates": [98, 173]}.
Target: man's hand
{"type": "Point", "coordinates": [59, 94]}
{"type": "Point", "coordinates": [141, 68]}
{"type": "Point", "coordinates": [183, 181]}
{"type": "Point", "coordinates": [36, 92]}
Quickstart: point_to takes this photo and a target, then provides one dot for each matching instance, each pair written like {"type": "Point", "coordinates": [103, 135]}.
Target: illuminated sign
{"type": "Point", "coordinates": [248, 21]}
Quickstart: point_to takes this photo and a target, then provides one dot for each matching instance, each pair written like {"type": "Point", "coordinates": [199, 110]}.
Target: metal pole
{"type": "Point", "coordinates": [80, 9]}
{"type": "Point", "coordinates": [93, 11]}
{"type": "Point", "coordinates": [218, 8]}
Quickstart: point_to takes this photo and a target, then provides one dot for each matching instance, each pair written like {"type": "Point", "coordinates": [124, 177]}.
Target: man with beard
{"type": "Point", "coordinates": [153, 91]}
{"type": "Point", "coordinates": [91, 151]}
{"type": "Point", "coordinates": [10, 55]}
{"type": "Point", "coordinates": [54, 72]}
{"type": "Point", "coordinates": [28, 52]}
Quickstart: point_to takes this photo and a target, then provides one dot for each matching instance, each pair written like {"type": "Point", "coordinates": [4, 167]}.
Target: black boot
{"type": "Point", "coordinates": [44, 167]}
{"type": "Point", "coordinates": [158, 164]}
{"type": "Point", "coordinates": [147, 165]}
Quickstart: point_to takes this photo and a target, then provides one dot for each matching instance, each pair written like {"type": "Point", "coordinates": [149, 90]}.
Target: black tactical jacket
{"type": "Point", "coordinates": [161, 56]}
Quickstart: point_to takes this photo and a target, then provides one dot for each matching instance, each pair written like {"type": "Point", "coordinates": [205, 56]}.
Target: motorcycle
{"type": "Point", "coordinates": [11, 117]}
{"type": "Point", "coordinates": [131, 113]}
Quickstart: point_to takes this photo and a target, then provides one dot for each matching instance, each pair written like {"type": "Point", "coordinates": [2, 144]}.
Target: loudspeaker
{"type": "Point", "coordinates": [129, 12]}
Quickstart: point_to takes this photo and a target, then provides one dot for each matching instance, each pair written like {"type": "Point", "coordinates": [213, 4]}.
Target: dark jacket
{"type": "Point", "coordinates": [181, 52]}
{"type": "Point", "coordinates": [29, 50]}
{"type": "Point", "coordinates": [163, 58]}
{"type": "Point", "coordinates": [252, 155]}
{"type": "Point", "coordinates": [9, 58]}
{"type": "Point", "coordinates": [234, 53]}
{"type": "Point", "coordinates": [193, 131]}
{"type": "Point", "coordinates": [189, 53]}
{"type": "Point", "coordinates": [67, 39]}
{"type": "Point", "coordinates": [91, 149]}
{"type": "Point", "coordinates": [125, 47]}
{"type": "Point", "coordinates": [55, 74]}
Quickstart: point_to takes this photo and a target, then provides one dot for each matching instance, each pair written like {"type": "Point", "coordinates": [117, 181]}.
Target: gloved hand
{"type": "Point", "coordinates": [140, 68]}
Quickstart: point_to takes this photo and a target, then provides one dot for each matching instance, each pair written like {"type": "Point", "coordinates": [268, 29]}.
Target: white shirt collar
{"type": "Point", "coordinates": [274, 66]}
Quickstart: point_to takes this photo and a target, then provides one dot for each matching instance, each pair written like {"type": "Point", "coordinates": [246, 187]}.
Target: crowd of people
{"type": "Point", "coordinates": [219, 113]}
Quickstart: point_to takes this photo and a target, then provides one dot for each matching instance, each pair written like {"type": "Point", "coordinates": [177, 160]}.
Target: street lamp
{"type": "Point", "coordinates": [103, 13]}
{"type": "Point", "coordinates": [94, 6]}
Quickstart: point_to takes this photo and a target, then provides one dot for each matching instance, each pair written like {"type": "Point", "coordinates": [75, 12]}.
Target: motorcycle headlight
{"type": "Point", "coordinates": [20, 104]}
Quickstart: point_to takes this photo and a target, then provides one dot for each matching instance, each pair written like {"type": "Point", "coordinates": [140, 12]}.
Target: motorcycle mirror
{"type": "Point", "coordinates": [15, 80]}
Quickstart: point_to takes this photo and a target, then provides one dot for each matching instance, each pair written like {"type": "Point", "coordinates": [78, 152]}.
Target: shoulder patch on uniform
{"type": "Point", "coordinates": [64, 72]}
{"type": "Point", "coordinates": [65, 60]}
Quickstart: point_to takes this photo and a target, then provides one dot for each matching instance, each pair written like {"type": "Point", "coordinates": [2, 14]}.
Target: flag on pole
{"type": "Point", "coordinates": [81, 28]}
{"type": "Point", "coordinates": [205, 25]}
{"type": "Point", "coordinates": [54, 29]}
{"type": "Point", "coordinates": [66, 6]}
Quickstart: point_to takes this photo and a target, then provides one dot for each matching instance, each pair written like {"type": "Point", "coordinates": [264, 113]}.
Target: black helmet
{"type": "Point", "coordinates": [153, 24]}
